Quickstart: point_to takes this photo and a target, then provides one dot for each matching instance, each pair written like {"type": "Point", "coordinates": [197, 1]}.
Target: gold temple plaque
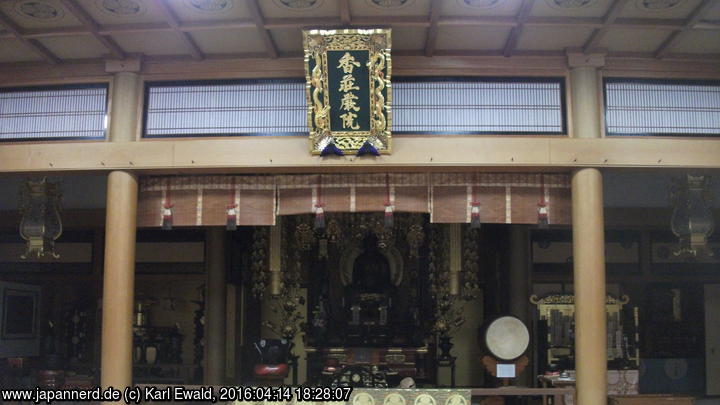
{"type": "Point", "coordinates": [348, 90]}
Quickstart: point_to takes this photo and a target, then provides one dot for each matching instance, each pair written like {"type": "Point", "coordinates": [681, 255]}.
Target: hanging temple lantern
{"type": "Point", "coordinates": [692, 221]}
{"type": "Point", "coordinates": [40, 224]}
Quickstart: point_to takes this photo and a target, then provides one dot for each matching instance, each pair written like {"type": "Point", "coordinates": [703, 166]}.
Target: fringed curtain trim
{"type": "Point", "coordinates": [203, 200]}
{"type": "Point", "coordinates": [447, 197]}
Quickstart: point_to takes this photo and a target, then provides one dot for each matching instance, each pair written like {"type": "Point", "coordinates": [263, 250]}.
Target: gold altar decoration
{"type": "Point", "coordinates": [259, 267]}
{"type": "Point", "coordinates": [345, 230]}
{"type": "Point", "coordinates": [558, 310]}
{"type": "Point", "coordinates": [289, 303]}
{"type": "Point", "coordinates": [448, 303]}
{"type": "Point", "coordinates": [348, 90]}
{"type": "Point", "coordinates": [40, 224]}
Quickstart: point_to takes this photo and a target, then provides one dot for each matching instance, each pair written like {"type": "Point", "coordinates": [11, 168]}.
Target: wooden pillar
{"type": "Point", "coordinates": [124, 104]}
{"type": "Point", "coordinates": [216, 306]}
{"type": "Point", "coordinates": [588, 239]}
{"type": "Point", "coordinates": [120, 228]}
{"type": "Point", "coordinates": [589, 279]}
{"type": "Point", "coordinates": [119, 280]}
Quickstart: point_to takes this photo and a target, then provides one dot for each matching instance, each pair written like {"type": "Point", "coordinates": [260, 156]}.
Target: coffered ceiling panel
{"type": "Point", "coordinates": [298, 8]}
{"type": "Point", "coordinates": [38, 13]}
{"type": "Point", "coordinates": [12, 50]}
{"type": "Point", "coordinates": [75, 47]}
{"type": "Point", "coordinates": [196, 10]}
{"type": "Point", "coordinates": [659, 8]}
{"type": "Point", "coordinates": [205, 28]}
{"type": "Point", "coordinates": [158, 43]}
{"type": "Point", "coordinates": [408, 38]}
{"type": "Point", "coordinates": [714, 12]}
{"type": "Point", "coordinates": [570, 8]}
{"type": "Point", "coordinates": [121, 11]}
{"type": "Point", "coordinates": [552, 38]}
{"type": "Point", "coordinates": [630, 40]}
{"type": "Point", "coordinates": [461, 8]}
{"type": "Point", "coordinates": [698, 42]}
{"type": "Point", "coordinates": [287, 39]}
{"type": "Point", "coordinates": [472, 38]}
{"type": "Point", "coordinates": [241, 40]}
{"type": "Point", "coordinates": [382, 8]}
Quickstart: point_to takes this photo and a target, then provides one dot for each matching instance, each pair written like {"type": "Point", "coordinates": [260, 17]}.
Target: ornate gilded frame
{"type": "Point", "coordinates": [377, 42]}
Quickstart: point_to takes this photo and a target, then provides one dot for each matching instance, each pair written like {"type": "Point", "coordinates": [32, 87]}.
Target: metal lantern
{"type": "Point", "coordinates": [692, 220]}
{"type": "Point", "coordinates": [40, 224]}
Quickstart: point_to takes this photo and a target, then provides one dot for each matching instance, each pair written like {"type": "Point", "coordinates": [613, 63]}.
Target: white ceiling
{"type": "Point", "coordinates": [56, 31]}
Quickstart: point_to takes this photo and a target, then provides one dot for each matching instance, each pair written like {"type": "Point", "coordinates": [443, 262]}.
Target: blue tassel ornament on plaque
{"type": "Point", "coordinates": [368, 149]}
{"type": "Point", "coordinates": [331, 149]}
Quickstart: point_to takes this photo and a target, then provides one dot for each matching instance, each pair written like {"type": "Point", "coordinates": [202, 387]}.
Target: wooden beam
{"type": "Point", "coordinates": [135, 28]}
{"type": "Point", "coordinates": [92, 27]}
{"type": "Point", "coordinates": [298, 22]}
{"type": "Point", "coordinates": [345, 17]}
{"type": "Point", "coordinates": [51, 32]}
{"type": "Point", "coordinates": [612, 14]}
{"type": "Point", "coordinates": [648, 23]}
{"type": "Point", "coordinates": [693, 19]}
{"type": "Point", "coordinates": [708, 25]}
{"type": "Point", "coordinates": [515, 32]}
{"type": "Point", "coordinates": [405, 63]}
{"type": "Point", "coordinates": [215, 25]}
{"type": "Point", "coordinates": [474, 21]}
{"type": "Point", "coordinates": [34, 45]}
{"type": "Point", "coordinates": [411, 152]}
{"type": "Point", "coordinates": [400, 20]}
{"type": "Point", "coordinates": [259, 20]}
{"type": "Point", "coordinates": [184, 37]}
{"type": "Point", "coordinates": [432, 32]}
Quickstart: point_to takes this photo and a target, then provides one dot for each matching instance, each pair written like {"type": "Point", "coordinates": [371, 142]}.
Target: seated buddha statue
{"type": "Point", "coordinates": [369, 295]}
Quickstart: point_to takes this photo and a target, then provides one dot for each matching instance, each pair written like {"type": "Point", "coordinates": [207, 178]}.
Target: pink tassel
{"type": "Point", "coordinates": [389, 220]}
{"type": "Point", "coordinates": [319, 217]}
{"type": "Point", "coordinates": [475, 216]}
{"type": "Point", "coordinates": [167, 217]}
{"type": "Point", "coordinates": [543, 216]}
{"type": "Point", "coordinates": [542, 206]}
{"type": "Point", "coordinates": [231, 217]}
{"type": "Point", "coordinates": [167, 214]}
{"type": "Point", "coordinates": [319, 211]}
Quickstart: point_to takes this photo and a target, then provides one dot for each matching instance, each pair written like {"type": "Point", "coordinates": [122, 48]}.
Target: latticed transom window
{"type": "Point", "coordinates": [419, 105]}
{"type": "Point", "coordinates": [53, 113]}
{"type": "Point", "coordinates": [662, 107]}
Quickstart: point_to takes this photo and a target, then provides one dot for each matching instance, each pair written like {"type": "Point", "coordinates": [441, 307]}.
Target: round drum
{"type": "Point", "coordinates": [506, 338]}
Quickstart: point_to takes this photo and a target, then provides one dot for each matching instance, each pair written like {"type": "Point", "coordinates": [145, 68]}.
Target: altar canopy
{"type": "Point", "coordinates": [509, 198]}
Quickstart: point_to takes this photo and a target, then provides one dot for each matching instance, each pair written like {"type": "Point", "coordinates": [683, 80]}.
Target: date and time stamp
{"type": "Point", "coordinates": [214, 394]}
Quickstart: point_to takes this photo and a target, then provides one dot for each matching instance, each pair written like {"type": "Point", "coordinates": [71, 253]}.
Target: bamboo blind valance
{"type": "Point", "coordinates": [447, 197]}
